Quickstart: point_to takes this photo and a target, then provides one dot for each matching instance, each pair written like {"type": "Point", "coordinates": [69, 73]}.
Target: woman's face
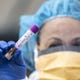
{"type": "Point", "coordinates": [60, 31]}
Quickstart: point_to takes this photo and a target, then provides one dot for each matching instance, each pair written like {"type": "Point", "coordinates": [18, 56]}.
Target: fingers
{"type": "Point", "coordinates": [3, 45]}
{"type": "Point", "coordinates": [17, 57]}
{"type": "Point", "coordinates": [0, 53]}
{"type": "Point", "coordinates": [11, 44]}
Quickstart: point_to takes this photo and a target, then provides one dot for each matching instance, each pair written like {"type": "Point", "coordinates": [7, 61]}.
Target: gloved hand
{"type": "Point", "coordinates": [13, 69]}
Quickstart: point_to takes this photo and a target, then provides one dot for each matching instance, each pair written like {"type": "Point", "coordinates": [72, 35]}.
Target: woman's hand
{"type": "Point", "coordinates": [13, 69]}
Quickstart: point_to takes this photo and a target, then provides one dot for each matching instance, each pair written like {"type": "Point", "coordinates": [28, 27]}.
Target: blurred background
{"type": "Point", "coordinates": [10, 12]}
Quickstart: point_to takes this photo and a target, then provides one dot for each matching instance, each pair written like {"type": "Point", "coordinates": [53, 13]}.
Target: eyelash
{"type": "Point", "coordinates": [76, 44]}
{"type": "Point", "coordinates": [55, 44]}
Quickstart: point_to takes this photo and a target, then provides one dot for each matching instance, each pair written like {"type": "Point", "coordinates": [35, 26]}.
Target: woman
{"type": "Point", "coordinates": [60, 16]}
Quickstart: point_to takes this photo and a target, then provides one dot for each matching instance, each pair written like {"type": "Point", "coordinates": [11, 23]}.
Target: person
{"type": "Point", "coordinates": [53, 53]}
{"type": "Point", "coordinates": [66, 10]}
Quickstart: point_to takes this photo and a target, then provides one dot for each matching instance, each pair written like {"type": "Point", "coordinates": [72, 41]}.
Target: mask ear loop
{"type": "Point", "coordinates": [35, 54]}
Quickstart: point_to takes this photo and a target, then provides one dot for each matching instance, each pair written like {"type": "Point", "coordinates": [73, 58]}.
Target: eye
{"type": "Point", "coordinates": [55, 45]}
{"type": "Point", "coordinates": [55, 42]}
{"type": "Point", "coordinates": [76, 42]}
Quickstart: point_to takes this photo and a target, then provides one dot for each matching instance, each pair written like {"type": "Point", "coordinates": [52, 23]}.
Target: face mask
{"type": "Point", "coordinates": [59, 63]}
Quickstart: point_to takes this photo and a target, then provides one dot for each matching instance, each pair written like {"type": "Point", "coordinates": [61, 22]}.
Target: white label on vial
{"type": "Point", "coordinates": [8, 56]}
{"type": "Point", "coordinates": [24, 39]}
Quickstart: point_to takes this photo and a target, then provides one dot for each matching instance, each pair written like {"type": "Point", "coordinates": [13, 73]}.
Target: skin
{"type": "Point", "coordinates": [59, 31]}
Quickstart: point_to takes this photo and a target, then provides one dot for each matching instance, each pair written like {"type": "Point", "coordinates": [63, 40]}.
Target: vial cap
{"type": "Point", "coordinates": [34, 28]}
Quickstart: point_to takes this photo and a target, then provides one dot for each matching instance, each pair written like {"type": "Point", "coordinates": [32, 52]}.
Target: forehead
{"type": "Point", "coordinates": [61, 25]}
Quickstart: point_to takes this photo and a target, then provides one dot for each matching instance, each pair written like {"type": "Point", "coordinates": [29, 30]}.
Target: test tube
{"type": "Point", "coordinates": [29, 33]}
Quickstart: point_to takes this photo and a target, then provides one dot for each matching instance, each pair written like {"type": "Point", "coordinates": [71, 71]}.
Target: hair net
{"type": "Point", "coordinates": [49, 10]}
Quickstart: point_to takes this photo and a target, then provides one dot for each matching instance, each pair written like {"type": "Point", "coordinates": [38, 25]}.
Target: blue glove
{"type": "Point", "coordinates": [13, 69]}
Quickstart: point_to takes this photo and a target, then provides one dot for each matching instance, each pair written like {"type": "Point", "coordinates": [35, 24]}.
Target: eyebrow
{"type": "Point", "coordinates": [78, 38]}
{"type": "Point", "coordinates": [55, 38]}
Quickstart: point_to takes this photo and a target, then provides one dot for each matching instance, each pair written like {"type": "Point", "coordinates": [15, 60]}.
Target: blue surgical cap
{"type": "Point", "coordinates": [49, 10]}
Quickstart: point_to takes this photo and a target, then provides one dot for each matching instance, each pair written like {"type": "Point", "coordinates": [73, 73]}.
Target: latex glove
{"type": "Point", "coordinates": [13, 69]}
